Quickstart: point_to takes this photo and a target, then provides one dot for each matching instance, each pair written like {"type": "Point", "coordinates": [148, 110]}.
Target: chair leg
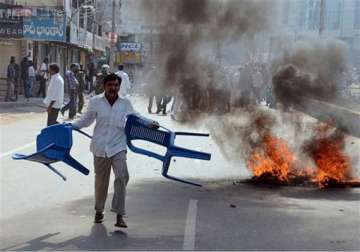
{"type": "Point", "coordinates": [165, 169]}
{"type": "Point", "coordinates": [56, 171]}
{"type": "Point", "coordinates": [75, 164]}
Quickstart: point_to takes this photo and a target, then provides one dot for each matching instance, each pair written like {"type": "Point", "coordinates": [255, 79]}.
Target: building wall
{"type": "Point", "coordinates": [50, 3]}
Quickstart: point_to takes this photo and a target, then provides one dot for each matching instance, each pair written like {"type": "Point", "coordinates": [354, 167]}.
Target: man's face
{"type": "Point", "coordinates": [112, 88]}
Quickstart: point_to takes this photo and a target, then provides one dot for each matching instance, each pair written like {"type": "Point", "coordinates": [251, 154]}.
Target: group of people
{"type": "Point", "coordinates": [20, 79]}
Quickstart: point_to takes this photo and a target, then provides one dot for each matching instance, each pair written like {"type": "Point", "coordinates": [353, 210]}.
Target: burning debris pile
{"type": "Point", "coordinates": [243, 132]}
{"type": "Point", "coordinates": [326, 165]}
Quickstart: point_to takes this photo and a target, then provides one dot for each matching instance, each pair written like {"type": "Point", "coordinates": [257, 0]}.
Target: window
{"type": "Point", "coordinates": [357, 15]}
{"type": "Point", "coordinates": [333, 10]}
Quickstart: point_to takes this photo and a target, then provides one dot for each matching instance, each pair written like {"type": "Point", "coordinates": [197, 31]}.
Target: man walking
{"type": "Point", "coordinates": [55, 94]}
{"type": "Point", "coordinates": [72, 87]}
{"type": "Point", "coordinates": [109, 145]}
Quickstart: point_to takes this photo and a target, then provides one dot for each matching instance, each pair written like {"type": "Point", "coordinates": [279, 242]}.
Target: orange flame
{"type": "Point", "coordinates": [274, 159]}
{"type": "Point", "coordinates": [333, 165]}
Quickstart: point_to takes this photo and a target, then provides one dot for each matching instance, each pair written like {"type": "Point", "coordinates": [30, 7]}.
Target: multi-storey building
{"type": "Point", "coordinates": [330, 18]}
{"type": "Point", "coordinates": [61, 30]}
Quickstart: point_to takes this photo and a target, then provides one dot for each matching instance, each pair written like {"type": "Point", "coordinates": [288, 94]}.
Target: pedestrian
{"type": "Point", "coordinates": [24, 67]}
{"type": "Point", "coordinates": [162, 101]}
{"type": "Point", "coordinates": [11, 79]}
{"type": "Point", "coordinates": [108, 145]}
{"type": "Point", "coordinates": [125, 83]}
{"type": "Point", "coordinates": [99, 87]}
{"type": "Point", "coordinates": [17, 80]}
{"type": "Point", "coordinates": [43, 76]}
{"type": "Point", "coordinates": [80, 77]}
{"type": "Point", "coordinates": [72, 84]}
{"type": "Point", "coordinates": [91, 70]}
{"type": "Point", "coordinates": [30, 80]}
{"type": "Point", "coordinates": [152, 91]}
{"type": "Point", "coordinates": [55, 94]}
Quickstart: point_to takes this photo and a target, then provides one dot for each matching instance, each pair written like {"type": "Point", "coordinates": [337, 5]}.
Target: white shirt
{"type": "Point", "coordinates": [44, 69]}
{"type": "Point", "coordinates": [31, 71]}
{"type": "Point", "coordinates": [125, 83]}
{"type": "Point", "coordinates": [109, 133]}
{"type": "Point", "coordinates": [55, 91]}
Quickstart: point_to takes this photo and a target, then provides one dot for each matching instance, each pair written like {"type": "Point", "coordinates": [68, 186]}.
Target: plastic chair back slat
{"type": "Point", "coordinates": [137, 128]}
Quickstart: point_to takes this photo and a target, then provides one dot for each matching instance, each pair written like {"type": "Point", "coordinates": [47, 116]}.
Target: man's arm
{"type": "Point", "coordinates": [148, 122]}
{"type": "Point", "coordinates": [87, 118]}
{"type": "Point", "coordinates": [50, 106]}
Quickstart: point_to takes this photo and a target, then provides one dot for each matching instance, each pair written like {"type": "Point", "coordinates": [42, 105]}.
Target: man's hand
{"type": "Point", "coordinates": [49, 109]}
{"type": "Point", "coordinates": [154, 125]}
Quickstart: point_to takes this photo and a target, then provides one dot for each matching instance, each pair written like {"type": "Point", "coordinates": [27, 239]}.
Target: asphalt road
{"type": "Point", "coordinates": [41, 212]}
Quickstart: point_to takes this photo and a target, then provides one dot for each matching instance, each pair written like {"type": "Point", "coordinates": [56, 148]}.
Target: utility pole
{"type": "Point", "coordinates": [94, 28]}
{"type": "Point", "coordinates": [322, 17]}
{"type": "Point", "coordinates": [113, 28]}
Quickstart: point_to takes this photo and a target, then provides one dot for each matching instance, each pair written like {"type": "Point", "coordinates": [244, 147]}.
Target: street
{"type": "Point", "coordinates": [39, 211]}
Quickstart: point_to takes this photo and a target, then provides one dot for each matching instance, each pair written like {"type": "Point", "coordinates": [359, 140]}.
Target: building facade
{"type": "Point", "coordinates": [64, 31]}
{"type": "Point", "coordinates": [328, 18]}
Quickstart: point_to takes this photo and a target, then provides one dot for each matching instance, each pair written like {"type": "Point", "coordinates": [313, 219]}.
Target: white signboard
{"type": "Point", "coordinates": [130, 46]}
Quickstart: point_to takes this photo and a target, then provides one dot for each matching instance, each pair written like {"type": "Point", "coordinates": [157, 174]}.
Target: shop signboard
{"type": "Point", "coordinates": [11, 21]}
{"type": "Point", "coordinates": [50, 26]}
{"type": "Point", "coordinates": [130, 52]}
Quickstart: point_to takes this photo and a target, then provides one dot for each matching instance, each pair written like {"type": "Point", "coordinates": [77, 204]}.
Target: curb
{"type": "Point", "coordinates": [37, 102]}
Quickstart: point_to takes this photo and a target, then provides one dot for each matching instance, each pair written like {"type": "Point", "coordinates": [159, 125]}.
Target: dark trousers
{"type": "Point", "coordinates": [52, 116]}
{"type": "Point", "coordinates": [24, 81]}
{"type": "Point", "coordinates": [81, 100]}
{"type": "Point", "coordinates": [42, 88]}
{"type": "Point", "coordinates": [162, 102]}
{"type": "Point", "coordinates": [151, 101]}
{"type": "Point", "coordinates": [71, 105]}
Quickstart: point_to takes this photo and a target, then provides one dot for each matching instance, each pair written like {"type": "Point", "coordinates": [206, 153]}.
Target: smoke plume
{"type": "Point", "coordinates": [188, 27]}
{"type": "Point", "coordinates": [311, 69]}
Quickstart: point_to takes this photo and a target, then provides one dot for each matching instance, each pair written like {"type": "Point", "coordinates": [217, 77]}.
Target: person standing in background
{"type": "Point", "coordinates": [30, 80]}
{"type": "Point", "coordinates": [125, 83]}
{"type": "Point", "coordinates": [24, 67]}
{"type": "Point", "coordinates": [80, 77]}
{"type": "Point", "coordinates": [10, 81]}
{"type": "Point", "coordinates": [91, 74]}
{"type": "Point", "coordinates": [43, 75]}
{"type": "Point", "coordinates": [55, 94]}
{"type": "Point", "coordinates": [72, 83]}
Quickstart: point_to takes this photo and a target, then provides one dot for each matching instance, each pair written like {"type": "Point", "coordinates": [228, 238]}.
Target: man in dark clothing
{"type": "Point", "coordinates": [24, 65]}
{"type": "Point", "coordinates": [72, 83]}
{"type": "Point", "coordinates": [80, 76]}
{"type": "Point", "coordinates": [90, 76]}
{"type": "Point", "coordinates": [12, 77]}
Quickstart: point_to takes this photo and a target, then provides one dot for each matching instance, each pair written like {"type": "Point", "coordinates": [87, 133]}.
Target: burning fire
{"type": "Point", "coordinates": [333, 165]}
{"type": "Point", "coordinates": [275, 159]}
{"type": "Point", "coordinates": [275, 162]}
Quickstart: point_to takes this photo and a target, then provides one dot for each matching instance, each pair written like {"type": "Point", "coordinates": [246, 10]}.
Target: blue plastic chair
{"type": "Point", "coordinates": [53, 144]}
{"type": "Point", "coordinates": [139, 129]}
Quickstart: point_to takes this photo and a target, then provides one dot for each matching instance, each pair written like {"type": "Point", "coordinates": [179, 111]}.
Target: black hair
{"type": "Point", "coordinates": [46, 60]}
{"type": "Point", "coordinates": [54, 67]}
{"type": "Point", "coordinates": [112, 77]}
{"type": "Point", "coordinates": [121, 67]}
